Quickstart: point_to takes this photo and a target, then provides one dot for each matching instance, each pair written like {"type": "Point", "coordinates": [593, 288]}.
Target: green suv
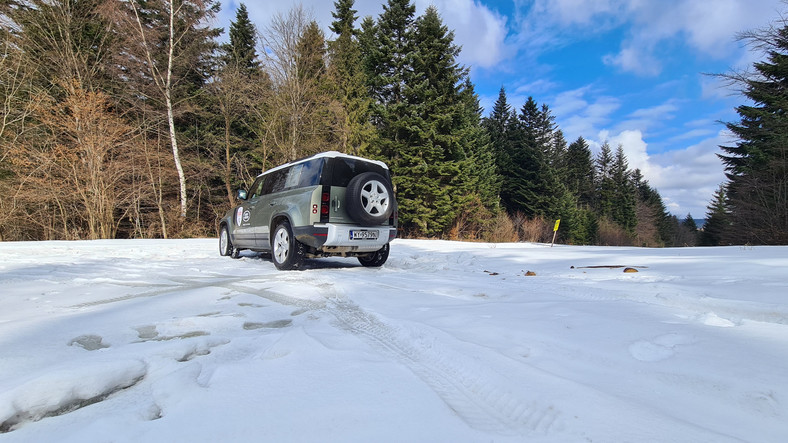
{"type": "Point", "coordinates": [330, 204]}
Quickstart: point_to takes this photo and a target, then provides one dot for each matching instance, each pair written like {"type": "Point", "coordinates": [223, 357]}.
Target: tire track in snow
{"type": "Point", "coordinates": [178, 285]}
{"type": "Point", "coordinates": [467, 388]}
{"type": "Point", "coordinates": [476, 394]}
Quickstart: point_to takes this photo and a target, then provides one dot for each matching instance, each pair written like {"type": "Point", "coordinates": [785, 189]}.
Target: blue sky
{"type": "Point", "coordinates": [629, 72]}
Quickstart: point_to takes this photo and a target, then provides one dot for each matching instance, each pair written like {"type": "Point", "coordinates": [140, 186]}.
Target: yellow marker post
{"type": "Point", "coordinates": [555, 231]}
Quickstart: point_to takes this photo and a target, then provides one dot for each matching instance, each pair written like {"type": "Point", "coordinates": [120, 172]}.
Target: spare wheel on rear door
{"type": "Point", "coordinates": [369, 199]}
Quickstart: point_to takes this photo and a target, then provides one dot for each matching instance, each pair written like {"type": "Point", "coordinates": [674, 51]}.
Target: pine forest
{"type": "Point", "coordinates": [136, 119]}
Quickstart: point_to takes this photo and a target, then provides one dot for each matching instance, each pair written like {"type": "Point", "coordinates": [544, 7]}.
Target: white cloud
{"type": "Point", "coordinates": [706, 28]}
{"type": "Point", "coordinates": [480, 31]}
{"type": "Point", "coordinates": [635, 59]}
{"type": "Point", "coordinates": [579, 115]}
{"type": "Point", "coordinates": [685, 178]}
{"type": "Point", "coordinates": [635, 148]}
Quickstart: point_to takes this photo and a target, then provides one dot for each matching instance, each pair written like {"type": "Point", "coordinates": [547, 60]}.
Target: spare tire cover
{"type": "Point", "coordinates": [369, 199]}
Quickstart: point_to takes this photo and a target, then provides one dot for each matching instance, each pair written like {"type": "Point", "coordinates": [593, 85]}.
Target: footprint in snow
{"type": "Point", "coordinates": [659, 348]}
{"type": "Point", "coordinates": [89, 342]}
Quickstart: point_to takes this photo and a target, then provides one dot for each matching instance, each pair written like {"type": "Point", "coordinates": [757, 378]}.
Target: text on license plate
{"type": "Point", "coordinates": [363, 234]}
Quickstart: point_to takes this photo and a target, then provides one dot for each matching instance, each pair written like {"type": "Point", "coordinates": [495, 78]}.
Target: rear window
{"type": "Point", "coordinates": [340, 170]}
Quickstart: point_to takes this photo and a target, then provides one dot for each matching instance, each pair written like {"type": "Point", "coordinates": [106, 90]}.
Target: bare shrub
{"type": "Point", "coordinates": [501, 230]}
{"type": "Point", "coordinates": [611, 234]}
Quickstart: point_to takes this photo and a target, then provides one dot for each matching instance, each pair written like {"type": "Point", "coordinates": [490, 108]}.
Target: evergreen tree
{"type": "Point", "coordinates": [624, 198]}
{"type": "Point", "coordinates": [311, 52]}
{"type": "Point", "coordinates": [556, 156]}
{"type": "Point", "coordinates": [535, 187]}
{"type": "Point", "coordinates": [580, 172]}
{"type": "Point", "coordinates": [652, 213]}
{"type": "Point", "coordinates": [718, 220]}
{"type": "Point", "coordinates": [388, 48]}
{"type": "Point", "coordinates": [526, 190]}
{"type": "Point", "coordinates": [484, 180]}
{"type": "Point", "coordinates": [392, 61]}
{"type": "Point", "coordinates": [241, 52]}
{"type": "Point", "coordinates": [428, 167]}
{"type": "Point", "coordinates": [757, 166]}
{"type": "Point", "coordinates": [689, 223]}
{"type": "Point", "coordinates": [605, 184]}
{"type": "Point", "coordinates": [346, 67]}
{"type": "Point", "coordinates": [68, 43]}
{"type": "Point", "coordinates": [500, 128]}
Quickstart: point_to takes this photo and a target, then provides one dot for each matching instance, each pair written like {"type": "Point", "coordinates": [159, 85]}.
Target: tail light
{"type": "Point", "coordinates": [325, 199]}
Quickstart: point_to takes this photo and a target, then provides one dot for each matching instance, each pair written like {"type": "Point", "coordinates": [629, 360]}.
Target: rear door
{"type": "Point", "coordinates": [337, 175]}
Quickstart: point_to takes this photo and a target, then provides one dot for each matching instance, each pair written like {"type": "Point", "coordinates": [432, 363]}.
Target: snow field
{"type": "Point", "coordinates": [164, 340]}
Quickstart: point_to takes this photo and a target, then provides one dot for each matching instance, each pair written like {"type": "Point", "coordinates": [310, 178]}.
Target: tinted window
{"type": "Point", "coordinates": [293, 176]}
{"type": "Point", "coordinates": [255, 191]}
{"type": "Point", "coordinates": [275, 181]}
{"type": "Point", "coordinates": [310, 174]}
{"type": "Point", "coordinates": [341, 170]}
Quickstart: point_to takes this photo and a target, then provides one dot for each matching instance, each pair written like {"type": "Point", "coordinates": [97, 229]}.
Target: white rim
{"type": "Point", "coordinates": [374, 197]}
{"type": "Point", "coordinates": [281, 245]}
{"type": "Point", "coordinates": [223, 238]}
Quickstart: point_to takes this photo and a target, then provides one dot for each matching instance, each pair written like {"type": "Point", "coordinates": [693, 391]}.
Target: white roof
{"type": "Point", "coordinates": [327, 154]}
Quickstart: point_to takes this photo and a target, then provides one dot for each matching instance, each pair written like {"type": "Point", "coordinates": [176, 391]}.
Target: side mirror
{"type": "Point", "coordinates": [242, 194]}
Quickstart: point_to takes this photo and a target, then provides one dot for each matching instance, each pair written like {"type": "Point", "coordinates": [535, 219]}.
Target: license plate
{"type": "Point", "coordinates": [364, 235]}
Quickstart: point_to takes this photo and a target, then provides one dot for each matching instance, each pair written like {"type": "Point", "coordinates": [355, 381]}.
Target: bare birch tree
{"type": "Point", "coordinates": [163, 75]}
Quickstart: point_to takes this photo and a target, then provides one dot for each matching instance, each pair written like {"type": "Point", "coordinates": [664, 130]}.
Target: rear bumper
{"type": "Point", "coordinates": [334, 238]}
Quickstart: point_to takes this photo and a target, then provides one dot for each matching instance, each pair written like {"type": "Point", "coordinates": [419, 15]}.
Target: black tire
{"type": "Point", "coordinates": [225, 244]}
{"type": "Point", "coordinates": [369, 199]}
{"type": "Point", "coordinates": [286, 252]}
{"type": "Point", "coordinates": [376, 259]}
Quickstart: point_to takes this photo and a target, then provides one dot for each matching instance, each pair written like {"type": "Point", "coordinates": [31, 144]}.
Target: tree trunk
{"type": "Point", "coordinates": [228, 160]}
{"type": "Point", "coordinates": [170, 118]}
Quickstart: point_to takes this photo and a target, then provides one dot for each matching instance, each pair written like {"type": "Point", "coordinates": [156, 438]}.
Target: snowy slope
{"type": "Point", "coordinates": [164, 340]}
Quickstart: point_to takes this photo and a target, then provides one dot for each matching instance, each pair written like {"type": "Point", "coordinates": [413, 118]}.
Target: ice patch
{"type": "Point", "coordinates": [276, 324]}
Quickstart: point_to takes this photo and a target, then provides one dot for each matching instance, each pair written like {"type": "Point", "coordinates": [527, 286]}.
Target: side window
{"type": "Point", "coordinates": [294, 176]}
{"type": "Point", "coordinates": [275, 181]}
{"type": "Point", "coordinates": [256, 189]}
{"type": "Point", "coordinates": [310, 174]}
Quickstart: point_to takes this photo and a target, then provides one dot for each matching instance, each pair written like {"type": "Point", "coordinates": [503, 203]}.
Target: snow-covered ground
{"type": "Point", "coordinates": [164, 340]}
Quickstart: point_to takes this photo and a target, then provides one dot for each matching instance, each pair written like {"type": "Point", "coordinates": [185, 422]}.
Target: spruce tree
{"type": "Point", "coordinates": [311, 49]}
{"type": "Point", "coordinates": [659, 217]}
{"type": "Point", "coordinates": [388, 47]}
{"type": "Point", "coordinates": [396, 45]}
{"type": "Point", "coordinates": [484, 180]}
{"type": "Point", "coordinates": [499, 127]}
{"type": "Point", "coordinates": [534, 185]}
{"type": "Point", "coordinates": [241, 52]}
{"type": "Point", "coordinates": [346, 67]}
{"type": "Point", "coordinates": [428, 167]}
{"type": "Point", "coordinates": [718, 220]}
{"type": "Point", "coordinates": [580, 172]}
{"type": "Point", "coordinates": [757, 166]}
{"type": "Point", "coordinates": [624, 197]}
{"type": "Point", "coordinates": [689, 223]}
{"type": "Point", "coordinates": [605, 184]}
